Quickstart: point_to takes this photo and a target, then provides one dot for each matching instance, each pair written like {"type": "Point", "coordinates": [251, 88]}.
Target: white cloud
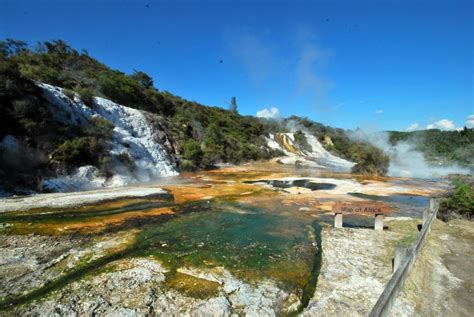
{"type": "Point", "coordinates": [470, 121]}
{"type": "Point", "coordinates": [269, 113]}
{"type": "Point", "coordinates": [443, 124]}
{"type": "Point", "coordinates": [378, 111]}
{"type": "Point", "coordinates": [413, 127]}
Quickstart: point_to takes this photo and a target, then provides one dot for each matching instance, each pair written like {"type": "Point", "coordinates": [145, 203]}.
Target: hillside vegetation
{"type": "Point", "coordinates": [438, 146]}
{"type": "Point", "coordinates": [221, 135]}
{"type": "Point", "coordinates": [204, 135]}
{"type": "Point", "coordinates": [459, 200]}
{"type": "Point", "coordinates": [42, 146]}
{"type": "Point", "coordinates": [369, 159]}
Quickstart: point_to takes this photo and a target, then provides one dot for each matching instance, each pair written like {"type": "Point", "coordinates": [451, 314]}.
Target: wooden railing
{"type": "Point", "coordinates": [403, 263]}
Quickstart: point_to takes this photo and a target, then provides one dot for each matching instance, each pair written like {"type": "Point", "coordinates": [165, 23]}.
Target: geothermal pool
{"type": "Point", "coordinates": [244, 239]}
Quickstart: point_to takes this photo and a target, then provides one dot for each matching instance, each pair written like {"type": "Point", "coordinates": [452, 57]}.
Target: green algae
{"type": "Point", "coordinates": [71, 276]}
{"type": "Point", "coordinates": [310, 287]}
{"type": "Point", "coordinates": [251, 242]}
{"type": "Point", "coordinates": [248, 242]}
{"type": "Point", "coordinates": [192, 286]}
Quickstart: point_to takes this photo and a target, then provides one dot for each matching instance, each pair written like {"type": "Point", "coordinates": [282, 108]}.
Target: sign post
{"type": "Point", "coordinates": [377, 209]}
{"type": "Point", "coordinates": [338, 220]}
{"type": "Point", "coordinates": [378, 226]}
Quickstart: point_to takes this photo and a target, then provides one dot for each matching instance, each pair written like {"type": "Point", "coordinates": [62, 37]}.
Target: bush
{"type": "Point", "coordinates": [212, 154]}
{"type": "Point", "coordinates": [301, 141]}
{"type": "Point", "coordinates": [86, 95]}
{"type": "Point", "coordinates": [372, 162]}
{"type": "Point", "coordinates": [105, 166]}
{"type": "Point", "coordinates": [187, 165]}
{"type": "Point", "coordinates": [125, 159]}
{"type": "Point", "coordinates": [79, 151]}
{"type": "Point", "coordinates": [100, 128]}
{"type": "Point", "coordinates": [143, 78]}
{"type": "Point", "coordinates": [69, 93]}
{"type": "Point", "coordinates": [459, 201]}
{"type": "Point", "coordinates": [193, 152]}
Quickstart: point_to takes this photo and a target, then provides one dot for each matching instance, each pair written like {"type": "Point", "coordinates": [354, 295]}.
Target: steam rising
{"type": "Point", "coordinates": [405, 160]}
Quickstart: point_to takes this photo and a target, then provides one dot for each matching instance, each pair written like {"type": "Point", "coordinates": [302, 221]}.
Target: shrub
{"type": "Point", "coordinates": [79, 151]}
{"type": "Point", "coordinates": [192, 152]}
{"type": "Point", "coordinates": [69, 93]}
{"type": "Point", "coordinates": [372, 162]}
{"type": "Point", "coordinates": [86, 95]}
{"type": "Point", "coordinates": [301, 141]}
{"type": "Point", "coordinates": [459, 201]}
{"type": "Point", "coordinates": [143, 78]}
{"type": "Point", "coordinates": [106, 166]}
{"type": "Point", "coordinates": [187, 165]}
{"type": "Point", "coordinates": [100, 128]}
{"type": "Point", "coordinates": [212, 154]}
{"type": "Point", "coordinates": [126, 160]}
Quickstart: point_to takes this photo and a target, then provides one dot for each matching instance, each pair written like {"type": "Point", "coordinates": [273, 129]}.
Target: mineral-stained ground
{"type": "Point", "coordinates": [222, 242]}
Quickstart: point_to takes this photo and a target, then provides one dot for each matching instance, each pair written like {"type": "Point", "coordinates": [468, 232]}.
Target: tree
{"type": "Point", "coordinates": [213, 145]}
{"type": "Point", "coordinates": [11, 47]}
{"type": "Point", "coordinates": [233, 105]}
{"type": "Point", "coordinates": [143, 78]}
{"type": "Point", "coordinates": [192, 151]}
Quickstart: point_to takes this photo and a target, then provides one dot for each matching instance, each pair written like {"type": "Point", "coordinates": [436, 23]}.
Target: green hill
{"type": "Point", "coordinates": [440, 147]}
{"type": "Point", "coordinates": [202, 135]}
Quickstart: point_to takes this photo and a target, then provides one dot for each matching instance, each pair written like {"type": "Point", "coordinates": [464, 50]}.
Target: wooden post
{"type": "Point", "coordinates": [432, 204]}
{"type": "Point", "coordinates": [425, 216]}
{"type": "Point", "coordinates": [378, 226]}
{"type": "Point", "coordinates": [400, 255]}
{"type": "Point", "coordinates": [338, 220]}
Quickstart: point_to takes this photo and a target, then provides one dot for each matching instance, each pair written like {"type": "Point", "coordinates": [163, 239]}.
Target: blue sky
{"type": "Point", "coordinates": [371, 64]}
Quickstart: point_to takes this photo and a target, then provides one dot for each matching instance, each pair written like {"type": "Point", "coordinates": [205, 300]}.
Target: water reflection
{"type": "Point", "coordinates": [295, 183]}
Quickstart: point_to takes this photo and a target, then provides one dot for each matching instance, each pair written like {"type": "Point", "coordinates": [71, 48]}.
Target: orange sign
{"type": "Point", "coordinates": [361, 208]}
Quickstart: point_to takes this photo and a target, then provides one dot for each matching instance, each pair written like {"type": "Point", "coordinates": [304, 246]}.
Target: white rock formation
{"type": "Point", "coordinates": [132, 135]}
{"type": "Point", "coordinates": [318, 157]}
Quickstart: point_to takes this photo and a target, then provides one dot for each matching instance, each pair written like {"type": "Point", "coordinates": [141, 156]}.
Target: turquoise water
{"type": "Point", "coordinates": [246, 240]}
{"type": "Point", "coordinates": [251, 242]}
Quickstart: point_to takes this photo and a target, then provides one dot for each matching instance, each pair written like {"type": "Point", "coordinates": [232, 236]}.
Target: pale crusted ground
{"type": "Point", "coordinates": [55, 200]}
{"type": "Point", "coordinates": [356, 262]}
{"type": "Point", "coordinates": [442, 280]}
{"type": "Point", "coordinates": [30, 261]}
{"type": "Point", "coordinates": [356, 266]}
{"type": "Point", "coordinates": [137, 287]}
